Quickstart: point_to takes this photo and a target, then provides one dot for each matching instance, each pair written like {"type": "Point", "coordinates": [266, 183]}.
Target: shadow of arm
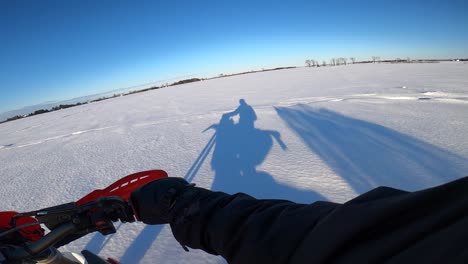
{"type": "Point", "coordinates": [214, 126]}
{"type": "Point", "coordinates": [276, 135]}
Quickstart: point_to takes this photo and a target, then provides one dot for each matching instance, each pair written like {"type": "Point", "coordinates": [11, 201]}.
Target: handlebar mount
{"type": "Point", "coordinates": [67, 222]}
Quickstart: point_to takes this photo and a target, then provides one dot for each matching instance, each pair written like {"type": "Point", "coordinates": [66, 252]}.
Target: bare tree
{"type": "Point", "coordinates": [374, 58]}
{"type": "Point", "coordinates": [345, 60]}
{"type": "Point", "coordinates": [312, 63]}
{"type": "Point", "coordinates": [340, 61]}
{"type": "Point", "coordinates": [324, 63]}
{"type": "Point", "coordinates": [352, 59]}
{"type": "Point", "coordinates": [333, 61]}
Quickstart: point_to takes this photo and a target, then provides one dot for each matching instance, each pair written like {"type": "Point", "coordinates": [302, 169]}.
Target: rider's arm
{"type": "Point", "coordinates": [385, 224]}
{"type": "Point", "coordinates": [238, 227]}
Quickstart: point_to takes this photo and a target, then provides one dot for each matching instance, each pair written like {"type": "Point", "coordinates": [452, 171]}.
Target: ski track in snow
{"type": "Point", "coordinates": [37, 142]}
{"type": "Point", "coordinates": [436, 96]}
{"type": "Point", "coordinates": [439, 97]}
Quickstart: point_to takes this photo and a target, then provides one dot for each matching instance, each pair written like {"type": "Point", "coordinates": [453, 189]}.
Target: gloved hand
{"type": "Point", "coordinates": [153, 202]}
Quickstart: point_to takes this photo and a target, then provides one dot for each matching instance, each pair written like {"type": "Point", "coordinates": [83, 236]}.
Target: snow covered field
{"type": "Point", "coordinates": [322, 133]}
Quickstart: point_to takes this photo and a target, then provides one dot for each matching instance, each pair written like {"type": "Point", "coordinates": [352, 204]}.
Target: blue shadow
{"type": "Point", "coordinates": [99, 241]}
{"type": "Point", "coordinates": [142, 243]}
{"type": "Point", "coordinates": [368, 155]}
{"type": "Point", "coordinates": [238, 149]}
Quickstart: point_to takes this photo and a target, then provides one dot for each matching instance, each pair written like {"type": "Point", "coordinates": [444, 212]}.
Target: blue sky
{"type": "Point", "coordinates": [55, 50]}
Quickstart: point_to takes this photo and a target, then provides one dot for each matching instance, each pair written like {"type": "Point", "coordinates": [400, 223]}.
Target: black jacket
{"type": "Point", "coordinates": [384, 225]}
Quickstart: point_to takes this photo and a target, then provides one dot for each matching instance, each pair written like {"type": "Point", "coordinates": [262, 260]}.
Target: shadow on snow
{"type": "Point", "coordinates": [238, 149]}
{"type": "Point", "coordinates": [367, 155]}
{"type": "Point", "coordinates": [142, 243]}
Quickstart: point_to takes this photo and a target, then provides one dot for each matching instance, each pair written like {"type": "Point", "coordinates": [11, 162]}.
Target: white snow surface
{"type": "Point", "coordinates": [326, 133]}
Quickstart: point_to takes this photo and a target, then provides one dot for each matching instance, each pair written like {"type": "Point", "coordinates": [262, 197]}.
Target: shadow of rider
{"type": "Point", "coordinates": [239, 148]}
{"type": "Point", "coordinates": [247, 116]}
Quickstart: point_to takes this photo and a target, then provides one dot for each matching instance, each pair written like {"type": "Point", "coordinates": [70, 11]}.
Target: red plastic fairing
{"type": "Point", "coordinates": [30, 233]}
{"type": "Point", "coordinates": [125, 186]}
{"type": "Point", "coordinates": [5, 219]}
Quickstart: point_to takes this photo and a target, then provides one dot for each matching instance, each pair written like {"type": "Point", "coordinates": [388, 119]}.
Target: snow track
{"type": "Point", "coordinates": [439, 97]}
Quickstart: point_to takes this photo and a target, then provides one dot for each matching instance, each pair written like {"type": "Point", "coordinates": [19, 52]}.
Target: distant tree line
{"type": "Point", "coordinates": [312, 63]}
{"type": "Point", "coordinates": [333, 62]}
{"type": "Point", "coordinates": [16, 117]}
{"type": "Point", "coordinates": [42, 111]}
{"type": "Point", "coordinates": [248, 72]}
{"type": "Point", "coordinates": [64, 106]}
{"type": "Point", "coordinates": [186, 81]}
{"type": "Point", "coordinates": [374, 59]}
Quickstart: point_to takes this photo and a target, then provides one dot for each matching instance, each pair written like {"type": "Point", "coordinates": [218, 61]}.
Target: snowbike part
{"type": "Point", "coordinates": [108, 204]}
{"type": "Point", "coordinates": [125, 186]}
{"type": "Point", "coordinates": [29, 249]}
{"type": "Point", "coordinates": [26, 229]}
{"type": "Point", "coordinates": [93, 216]}
{"type": "Point", "coordinates": [96, 211]}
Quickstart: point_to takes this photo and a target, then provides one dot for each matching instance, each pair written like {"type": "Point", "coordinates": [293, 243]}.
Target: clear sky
{"type": "Point", "coordinates": [55, 50]}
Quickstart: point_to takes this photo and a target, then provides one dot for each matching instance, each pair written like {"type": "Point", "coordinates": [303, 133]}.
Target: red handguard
{"type": "Point", "coordinates": [30, 233]}
{"type": "Point", "coordinates": [125, 186]}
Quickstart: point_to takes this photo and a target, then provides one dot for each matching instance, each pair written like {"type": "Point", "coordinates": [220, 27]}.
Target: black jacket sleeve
{"type": "Point", "coordinates": [243, 229]}
{"type": "Point", "coordinates": [383, 225]}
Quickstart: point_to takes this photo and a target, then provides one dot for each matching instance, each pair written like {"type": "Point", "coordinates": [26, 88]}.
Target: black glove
{"type": "Point", "coordinates": [153, 202]}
